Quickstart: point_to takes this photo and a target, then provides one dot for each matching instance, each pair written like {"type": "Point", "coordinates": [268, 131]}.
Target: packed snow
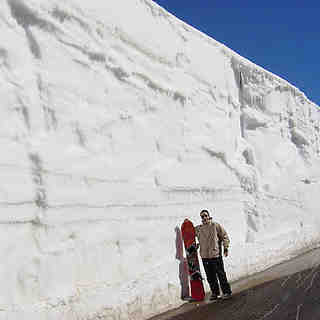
{"type": "Point", "coordinates": [118, 121]}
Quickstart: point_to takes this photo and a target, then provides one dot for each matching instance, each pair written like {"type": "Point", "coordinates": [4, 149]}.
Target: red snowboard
{"type": "Point", "coordinates": [188, 235]}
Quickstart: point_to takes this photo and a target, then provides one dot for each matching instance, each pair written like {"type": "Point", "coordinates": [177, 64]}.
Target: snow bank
{"type": "Point", "coordinates": [117, 122]}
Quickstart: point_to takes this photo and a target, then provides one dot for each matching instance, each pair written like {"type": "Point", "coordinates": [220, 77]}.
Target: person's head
{"type": "Point", "coordinates": [205, 216]}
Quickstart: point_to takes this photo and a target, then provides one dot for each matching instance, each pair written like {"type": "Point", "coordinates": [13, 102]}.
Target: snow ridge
{"type": "Point", "coordinates": [113, 132]}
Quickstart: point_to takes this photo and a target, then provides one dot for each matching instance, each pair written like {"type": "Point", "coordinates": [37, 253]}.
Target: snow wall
{"type": "Point", "coordinates": [118, 121]}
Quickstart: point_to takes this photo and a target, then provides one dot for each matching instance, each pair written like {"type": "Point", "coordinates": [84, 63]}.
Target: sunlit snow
{"type": "Point", "coordinates": [117, 121]}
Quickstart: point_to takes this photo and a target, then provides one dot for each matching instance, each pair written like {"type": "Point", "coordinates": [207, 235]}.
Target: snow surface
{"type": "Point", "coordinates": [118, 121]}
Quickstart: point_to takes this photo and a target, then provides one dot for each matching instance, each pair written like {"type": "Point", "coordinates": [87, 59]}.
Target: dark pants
{"type": "Point", "coordinates": [215, 270]}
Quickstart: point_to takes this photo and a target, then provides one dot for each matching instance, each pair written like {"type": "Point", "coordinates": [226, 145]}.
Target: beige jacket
{"type": "Point", "coordinates": [210, 237]}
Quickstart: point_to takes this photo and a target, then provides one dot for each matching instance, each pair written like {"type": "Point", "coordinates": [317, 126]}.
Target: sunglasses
{"type": "Point", "coordinates": [204, 216]}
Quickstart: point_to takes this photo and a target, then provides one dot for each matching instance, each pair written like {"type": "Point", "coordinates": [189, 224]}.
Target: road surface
{"type": "Point", "coordinates": [289, 291]}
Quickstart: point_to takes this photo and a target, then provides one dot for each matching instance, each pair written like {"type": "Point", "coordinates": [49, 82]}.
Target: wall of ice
{"type": "Point", "coordinates": [117, 121]}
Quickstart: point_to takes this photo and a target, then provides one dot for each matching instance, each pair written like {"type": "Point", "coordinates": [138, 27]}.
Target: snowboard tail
{"type": "Point", "coordinates": [197, 291]}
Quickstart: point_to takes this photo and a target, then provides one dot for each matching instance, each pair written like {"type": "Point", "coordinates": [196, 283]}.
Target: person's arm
{"type": "Point", "coordinates": [196, 228]}
{"type": "Point", "coordinates": [223, 236]}
{"type": "Point", "coordinates": [197, 236]}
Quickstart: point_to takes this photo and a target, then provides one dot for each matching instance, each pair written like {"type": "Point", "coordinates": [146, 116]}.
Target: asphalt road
{"type": "Point", "coordinates": [290, 291]}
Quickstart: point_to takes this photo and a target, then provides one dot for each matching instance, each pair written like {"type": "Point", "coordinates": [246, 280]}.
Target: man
{"type": "Point", "coordinates": [211, 236]}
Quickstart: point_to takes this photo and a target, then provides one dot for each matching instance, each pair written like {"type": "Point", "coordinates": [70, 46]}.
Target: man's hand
{"type": "Point", "coordinates": [225, 252]}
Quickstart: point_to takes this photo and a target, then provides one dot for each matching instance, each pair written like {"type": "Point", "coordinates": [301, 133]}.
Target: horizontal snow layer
{"type": "Point", "coordinates": [117, 121]}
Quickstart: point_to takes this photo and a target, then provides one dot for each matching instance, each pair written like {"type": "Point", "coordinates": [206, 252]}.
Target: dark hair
{"type": "Point", "coordinates": [205, 211]}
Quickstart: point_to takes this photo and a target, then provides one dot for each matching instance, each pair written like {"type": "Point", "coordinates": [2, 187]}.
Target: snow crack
{"type": "Point", "coordinates": [86, 178]}
{"type": "Point", "coordinates": [18, 203]}
{"type": "Point", "coordinates": [81, 136]}
{"type": "Point", "coordinates": [3, 56]}
{"type": "Point", "coordinates": [118, 72]}
{"type": "Point", "coordinates": [177, 96]}
{"type": "Point", "coordinates": [63, 15]}
{"type": "Point", "coordinates": [249, 183]}
{"type": "Point", "coordinates": [26, 17]}
{"type": "Point", "coordinates": [33, 44]}
{"type": "Point", "coordinates": [32, 221]}
{"type": "Point", "coordinates": [36, 168]}
{"type": "Point", "coordinates": [253, 220]}
{"type": "Point", "coordinates": [23, 110]}
{"type": "Point", "coordinates": [93, 56]}
{"type": "Point", "coordinates": [219, 155]}
{"type": "Point", "coordinates": [147, 52]}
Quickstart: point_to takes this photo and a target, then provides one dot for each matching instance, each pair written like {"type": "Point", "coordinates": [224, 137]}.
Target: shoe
{"type": "Point", "coordinates": [226, 296]}
{"type": "Point", "coordinates": [213, 297]}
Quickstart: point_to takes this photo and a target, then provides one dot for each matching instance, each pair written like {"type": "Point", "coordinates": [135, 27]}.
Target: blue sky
{"type": "Point", "coordinates": [281, 36]}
